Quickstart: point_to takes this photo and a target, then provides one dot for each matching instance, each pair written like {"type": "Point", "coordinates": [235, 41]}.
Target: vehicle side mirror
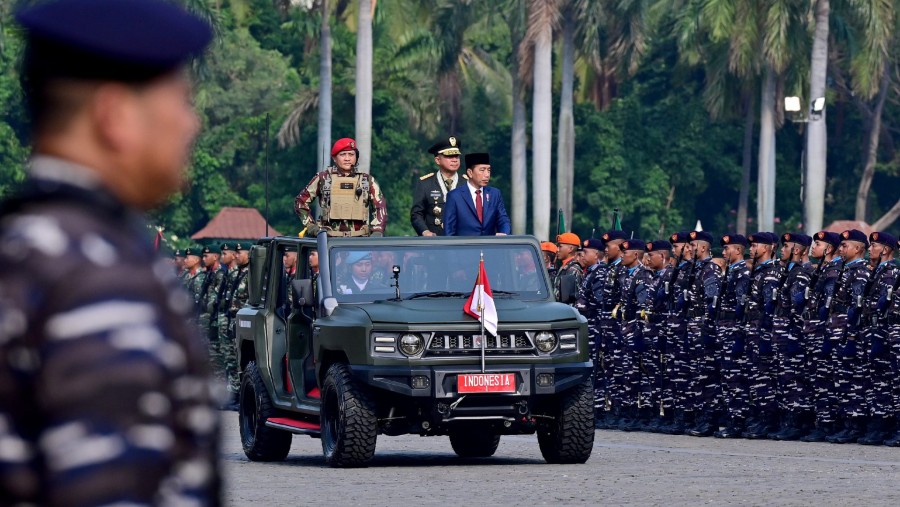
{"type": "Point", "coordinates": [568, 289]}
{"type": "Point", "coordinates": [303, 293]}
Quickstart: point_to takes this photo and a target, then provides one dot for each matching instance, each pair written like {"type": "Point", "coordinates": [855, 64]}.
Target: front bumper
{"type": "Point", "coordinates": [442, 380]}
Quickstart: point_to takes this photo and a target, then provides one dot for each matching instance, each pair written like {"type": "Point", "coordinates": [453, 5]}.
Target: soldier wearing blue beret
{"type": "Point", "coordinates": [793, 385]}
{"type": "Point", "coordinates": [729, 317]}
{"type": "Point", "coordinates": [843, 331]}
{"type": "Point", "coordinates": [760, 310]}
{"type": "Point", "coordinates": [700, 300]}
{"type": "Point", "coordinates": [677, 372]}
{"type": "Point", "coordinates": [874, 339]}
{"type": "Point", "coordinates": [113, 124]}
{"type": "Point", "coordinates": [630, 394]}
{"type": "Point", "coordinates": [819, 349]}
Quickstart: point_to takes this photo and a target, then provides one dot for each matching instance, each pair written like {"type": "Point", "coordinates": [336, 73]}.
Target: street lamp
{"type": "Point", "coordinates": [816, 108]}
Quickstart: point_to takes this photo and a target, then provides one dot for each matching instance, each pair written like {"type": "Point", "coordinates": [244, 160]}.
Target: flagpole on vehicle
{"type": "Point", "coordinates": [481, 307]}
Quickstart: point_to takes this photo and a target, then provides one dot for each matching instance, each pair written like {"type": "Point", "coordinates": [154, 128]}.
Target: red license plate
{"type": "Point", "coordinates": [486, 383]}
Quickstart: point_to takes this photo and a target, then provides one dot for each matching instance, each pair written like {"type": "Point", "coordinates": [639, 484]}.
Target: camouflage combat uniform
{"type": "Point", "coordinates": [572, 268]}
{"type": "Point", "coordinates": [638, 288]}
{"type": "Point", "coordinates": [320, 186]}
{"type": "Point", "coordinates": [703, 345]}
{"type": "Point", "coordinates": [103, 380]}
{"type": "Point", "coordinates": [589, 304]}
{"type": "Point", "coordinates": [760, 309]}
{"type": "Point", "coordinates": [875, 341]}
{"type": "Point", "coordinates": [790, 353]}
{"type": "Point", "coordinates": [735, 391]}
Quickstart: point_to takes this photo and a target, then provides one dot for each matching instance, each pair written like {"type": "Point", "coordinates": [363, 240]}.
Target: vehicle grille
{"type": "Point", "coordinates": [463, 344]}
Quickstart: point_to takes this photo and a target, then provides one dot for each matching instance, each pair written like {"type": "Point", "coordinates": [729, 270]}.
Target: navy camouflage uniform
{"type": "Point", "coordinates": [610, 330]}
{"type": "Point", "coordinates": [678, 371]}
{"type": "Point", "coordinates": [589, 304]}
{"type": "Point", "coordinates": [874, 339]}
{"type": "Point", "coordinates": [793, 384]}
{"type": "Point", "coordinates": [734, 388]}
{"type": "Point", "coordinates": [653, 378]}
{"type": "Point", "coordinates": [819, 349]}
{"type": "Point", "coordinates": [892, 322]}
{"type": "Point", "coordinates": [637, 294]}
{"type": "Point", "coordinates": [701, 344]}
{"type": "Point", "coordinates": [765, 279]}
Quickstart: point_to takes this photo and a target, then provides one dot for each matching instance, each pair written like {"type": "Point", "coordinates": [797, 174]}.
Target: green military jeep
{"type": "Point", "coordinates": [375, 341]}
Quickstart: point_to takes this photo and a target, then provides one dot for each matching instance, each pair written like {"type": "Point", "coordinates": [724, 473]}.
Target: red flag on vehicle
{"type": "Point", "coordinates": [480, 304]}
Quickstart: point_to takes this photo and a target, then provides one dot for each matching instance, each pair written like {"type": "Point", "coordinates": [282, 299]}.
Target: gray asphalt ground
{"type": "Point", "coordinates": [625, 469]}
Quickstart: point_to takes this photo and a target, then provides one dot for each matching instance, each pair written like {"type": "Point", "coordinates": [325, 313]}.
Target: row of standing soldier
{"type": "Point", "coordinates": [767, 347]}
{"type": "Point", "coordinates": [216, 278]}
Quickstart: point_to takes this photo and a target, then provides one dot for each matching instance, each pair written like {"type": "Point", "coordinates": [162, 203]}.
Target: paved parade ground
{"type": "Point", "coordinates": [625, 469]}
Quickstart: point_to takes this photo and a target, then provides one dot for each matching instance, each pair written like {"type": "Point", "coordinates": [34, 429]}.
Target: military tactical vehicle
{"type": "Point", "coordinates": [376, 342]}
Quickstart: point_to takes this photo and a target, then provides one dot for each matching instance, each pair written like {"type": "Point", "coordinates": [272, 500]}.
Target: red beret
{"type": "Point", "coordinates": [342, 144]}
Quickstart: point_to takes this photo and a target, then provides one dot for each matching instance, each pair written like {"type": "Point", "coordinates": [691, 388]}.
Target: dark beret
{"type": "Point", "coordinates": [110, 40]}
{"type": "Point", "coordinates": [884, 238]}
{"type": "Point", "coordinates": [177, 253]}
{"type": "Point", "coordinates": [763, 238]}
{"type": "Point", "coordinates": [449, 147]}
{"type": "Point", "coordinates": [734, 239]}
{"type": "Point", "coordinates": [209, 249]}
{"type": "Point", "coordinates": [794, 237]}
{"type": "Point", "coordinates": [193, 250]}
{"type": "Point", "coordinates": [594, 243]}
{"type": "Point", "coordinates": [225, 247]}
{"type": "Point", "coordinates": [658, 246]}
{"type": "Point", "coordinates": [832, 238]}
{"type": "Point", "coordinates": [701, 236]}
{"type": "Point", "coordinates": [634, 244]}
{"type": "Point", "coordinates": [238, 247]}
{"type": "Point", "coordinates": [473, 159]}
{"type": "Point", "coordinates": [855, 235]}
{"type": "Point", "coordinates": [680, 237]}
{"type": "Point", "coordinates": [613, 235]}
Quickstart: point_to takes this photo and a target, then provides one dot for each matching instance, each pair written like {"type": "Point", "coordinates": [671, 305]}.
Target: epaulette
{"type": "Point", "coordinates": [426, 176]}
{"type": "Point", "coordinates": [465, 176]}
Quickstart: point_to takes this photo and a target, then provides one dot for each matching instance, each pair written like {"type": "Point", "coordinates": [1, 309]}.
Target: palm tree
{"type": "Point", "coordinates": [538, 48]}
{"type": "Point", "coordinates": [364, 84]}
{"type": "Point", "coordinates": [324, 132]}
{"type": "Point", "coordinates": [565, 147]}
{"type": "Point", "coordinates": [515, 15]}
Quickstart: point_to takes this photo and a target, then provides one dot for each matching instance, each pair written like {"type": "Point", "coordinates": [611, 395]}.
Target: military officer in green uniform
{"type": "Point", "coordinates": [431, 190]}
{"type": "Point", "coordinates": [351, 201]}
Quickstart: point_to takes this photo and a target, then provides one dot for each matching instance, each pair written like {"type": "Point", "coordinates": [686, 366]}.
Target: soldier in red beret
{"type": "Point", "coordinates": [347, 197]}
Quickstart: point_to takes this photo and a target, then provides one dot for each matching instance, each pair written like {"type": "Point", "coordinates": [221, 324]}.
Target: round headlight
{"type": "Point", "coordinates": [545, 341]}
{"type": "Point", "coordinates": [411, 344]}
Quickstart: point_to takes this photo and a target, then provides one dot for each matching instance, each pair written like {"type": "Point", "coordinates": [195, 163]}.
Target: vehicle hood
{"type": "Point", "coordinates": [450, 311]}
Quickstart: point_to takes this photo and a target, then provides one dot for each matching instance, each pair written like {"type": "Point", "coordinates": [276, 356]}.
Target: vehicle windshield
{"type": "Point", "coordinates": [436, 271]}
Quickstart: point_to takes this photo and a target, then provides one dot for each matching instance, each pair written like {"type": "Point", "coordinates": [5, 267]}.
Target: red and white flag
{"type": "Point", "coordinates": [480, 304]}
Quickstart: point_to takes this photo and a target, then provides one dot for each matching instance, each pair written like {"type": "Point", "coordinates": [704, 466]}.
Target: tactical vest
{"type": "Point", "coordinates": [347, 197]}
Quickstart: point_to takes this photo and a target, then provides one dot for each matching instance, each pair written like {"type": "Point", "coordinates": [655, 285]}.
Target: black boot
{"type": "Point", "coordinates": [734, 429]}
{"type": "Point", "coordinates": [627, 419]}
{"type": "Point", "coordinates": [645, 419]}
{"type": "Point", "coordinates": [768, 422]}
{"type": "Point", "coordinates": [877, 432]}
{"type": "Point", "coordinates": [662, 423]}
{"type": "Point", "coordinates": [678, 423]}
{"type": "Point", "coordinates": [791, 428]}
{"type": "Point", "coordinates": [819, 433]}
{"type": "Point", "coordinates": [893, 440]}
{"type": "Point", "coordinates": [704, 426]}
{"type": "Point", "coordinates": [854, 428]}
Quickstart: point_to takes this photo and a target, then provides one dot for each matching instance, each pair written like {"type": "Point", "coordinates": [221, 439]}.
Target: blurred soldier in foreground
{"type": "Point", "coordinates": [346, 197]}
{"type": "Point", "coordinates": [104, 389]}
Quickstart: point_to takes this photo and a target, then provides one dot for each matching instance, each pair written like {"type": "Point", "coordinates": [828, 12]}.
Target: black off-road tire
{"type": "Point", "coordinates": [570, 437]}
{"type": "Point", "coordinates": [474, 442]}
{"type": "Point", "coordinates": [260, 442]}
{"type": "Point", "coordinates": [349, 425]}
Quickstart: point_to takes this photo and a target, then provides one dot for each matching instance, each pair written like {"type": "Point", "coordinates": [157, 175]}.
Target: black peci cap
{"type": "Point", "coordinates": [473, 159]}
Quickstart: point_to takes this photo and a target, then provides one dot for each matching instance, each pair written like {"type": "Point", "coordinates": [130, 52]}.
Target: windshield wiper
{"type": "Point", "coordinates": [436, 294]}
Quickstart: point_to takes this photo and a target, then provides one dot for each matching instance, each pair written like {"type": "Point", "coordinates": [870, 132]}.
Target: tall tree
{"type": "Point", "coordinates": [543, 17]}
{"type": "Point", "coordinates": [565, 147]}
{"type": "Point", "coordinates": [516, 20]}
{"type": "Point", "coordinates": [324, 132]}
{"type": "Point", "coordinates": [364, 84]}
{"type": "Point", "coordinates": [816, 134]}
